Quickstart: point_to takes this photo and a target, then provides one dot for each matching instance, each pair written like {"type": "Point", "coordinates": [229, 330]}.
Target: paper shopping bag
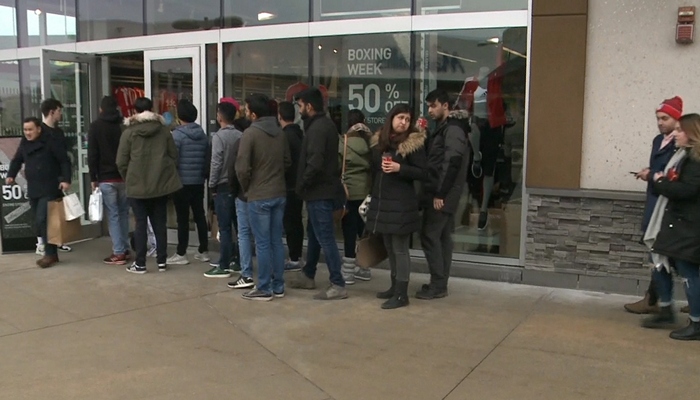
{"type": "Point", "coordinates": [95, 206]}
{"type": "Point", "coordinates": [370, 251]}
{"type": "Point", "coordinates": [60, 231]}
{"type": "Point", "coordinates": [74, 209]}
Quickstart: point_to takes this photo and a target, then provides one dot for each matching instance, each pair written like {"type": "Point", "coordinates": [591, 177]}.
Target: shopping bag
{"type": "Point", "coordinates": [74, 209]}
{"type": "Point", "coordinates": [59, 230]}
{"type": "Point", "coordinates": [370, 251]}
{"type": "Point", "coordinates": [95, 206]}
{"type": "Point", "coordinates": [364, 207]}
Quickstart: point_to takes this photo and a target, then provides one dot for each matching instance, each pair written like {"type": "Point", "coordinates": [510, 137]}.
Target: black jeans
{"type": "Point", "coordinates": [437, 243]}
{"type": "Point", "coordinates": [190, 197]}
{"type": "Point", "coordinates": [294, 226]}
{"type": "Point", "coordinates": [353, 226]}
{"type": "Point", "coordinates": [40, 210]}
{"type": "Point", "coordinates": [155, 210]}
{"type": "Point", "coordinates": [399, 259]}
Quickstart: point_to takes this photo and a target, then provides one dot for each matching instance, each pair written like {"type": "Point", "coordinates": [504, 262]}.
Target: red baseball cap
{"type": "Point", "coordinates": [231, 100]}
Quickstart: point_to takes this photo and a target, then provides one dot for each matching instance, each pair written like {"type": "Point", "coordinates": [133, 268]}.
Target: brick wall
{"type": "Point", "coordinates": [589, 235]}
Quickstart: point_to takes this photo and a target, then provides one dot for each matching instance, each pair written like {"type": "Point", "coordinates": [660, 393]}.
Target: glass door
{"type": "Point", "coordinates": [171, 75]}
{"type": "Point", "coordinates": [73, 79]}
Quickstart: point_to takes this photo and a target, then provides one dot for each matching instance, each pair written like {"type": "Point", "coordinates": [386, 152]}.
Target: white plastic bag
{"type": "Point", "coordinates": [364, 207]}
{"type": "Point", "coordinates": [95, 206]}
{"type": "Point", "coordinates": [72, 206]}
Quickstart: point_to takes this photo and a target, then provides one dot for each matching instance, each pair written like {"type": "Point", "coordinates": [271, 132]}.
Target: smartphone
{"type": "Point", "coordinates": [633, 173]}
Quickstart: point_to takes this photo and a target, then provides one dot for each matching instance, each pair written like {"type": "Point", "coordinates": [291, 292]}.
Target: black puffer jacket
{"type": "Point", "coordinates": [394, 208]}
{"type": "Point", "coordinates": [679, 237]}
{"type": "Point", "coordinates": [103, 141]}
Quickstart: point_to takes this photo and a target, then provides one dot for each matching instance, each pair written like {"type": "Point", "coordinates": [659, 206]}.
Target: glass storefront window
{"type": "Point", "coordinates": [425, 7]}
{"type": "Point", "coordinates": [8, 29]}
{"type": "Point", "coordinates": [173, 16]}
{"type": "Point", "coordinates": [325, 10]}
{"type": "Point", "coordinates": [10, 100]}
{"type": "Point", "coordinates": [265, 12]}
{"type": "Point", "coordinates": [30, 87]}
{"type": "Point", "coordinates": [484, 71]}
{"type": "Point", "coordinates": [211, 88]}
{"type": "Point", "coordinates": [44, 22]}
{"type": "Point", "coordinates": [110, 19]}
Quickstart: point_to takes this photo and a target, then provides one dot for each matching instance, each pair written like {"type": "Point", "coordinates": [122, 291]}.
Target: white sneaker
{"type": "Point", "coordinates": [40, 250]}
{"type": "Point", "coordinates": [177, 259]}
{"type": "Point", "coordinates": [203, 257]}
{"type": "Point", "coordinates": [64, 248]}
{"type": "Point", "coordinates": [152, 252]}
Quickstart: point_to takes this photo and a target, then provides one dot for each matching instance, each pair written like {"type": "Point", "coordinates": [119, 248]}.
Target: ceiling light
{"type": "Point", "coordinates": [335, 51]}
{"type": "Point", "coordinates": [264, 16]}
{"type": "Point", "coordinates": [320, 47]}
{"type": "Point", "coordinates": [37, 11]}
{"type": "Point", "coordinates": [494, 40]}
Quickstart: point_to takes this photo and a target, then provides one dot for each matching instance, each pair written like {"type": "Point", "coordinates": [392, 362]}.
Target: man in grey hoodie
{"type": "Point", "coordinates": [192, 146]}
{"type": "Point", "coordinates": [221, 145]}
{"type": "Point", "coordinates": [262, 161]}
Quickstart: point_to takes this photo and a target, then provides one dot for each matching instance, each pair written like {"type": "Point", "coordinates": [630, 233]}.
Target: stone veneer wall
{"type": "Point", "coordinates": [586, 232]}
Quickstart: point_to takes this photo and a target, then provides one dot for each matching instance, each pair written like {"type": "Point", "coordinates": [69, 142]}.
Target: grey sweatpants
{"type": "Point", "coordinates": [437, 243]}
{"type": "Point", "coordinates": [399, 259]}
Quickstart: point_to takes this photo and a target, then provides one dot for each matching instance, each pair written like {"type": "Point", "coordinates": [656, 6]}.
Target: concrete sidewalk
{"type": "Point", "coordinates": [85, 330]}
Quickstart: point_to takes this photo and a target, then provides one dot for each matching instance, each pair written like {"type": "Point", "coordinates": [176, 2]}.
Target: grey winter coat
{"type": "Point", "coordinates": [191, 143]}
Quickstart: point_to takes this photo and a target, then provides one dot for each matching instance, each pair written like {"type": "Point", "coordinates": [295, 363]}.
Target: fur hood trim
{"type": "Point", "coordinates": [146, 116]}
{"type": "Point", "coordinates": [414, 142]}
{"type": "Point", "coordinates": [459, 114]}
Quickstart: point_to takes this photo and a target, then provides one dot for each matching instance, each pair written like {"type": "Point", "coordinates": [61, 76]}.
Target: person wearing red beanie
{"type": "Point", "coordinates": [662, 149]}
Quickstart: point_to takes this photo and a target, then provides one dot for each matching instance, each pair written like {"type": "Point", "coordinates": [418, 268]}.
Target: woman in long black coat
{"type": "Point", "coordinates": [398, 160]}
{"type": "Point", "coordinates": [679, 234]}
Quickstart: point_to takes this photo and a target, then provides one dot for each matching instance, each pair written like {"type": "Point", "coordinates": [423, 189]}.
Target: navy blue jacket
{"type": "Point", "coordinates": [657, 163]}
{"type": "Point", "coordinates": [192, 144]}
{"type": "Point", "coordinates": [45, 164]}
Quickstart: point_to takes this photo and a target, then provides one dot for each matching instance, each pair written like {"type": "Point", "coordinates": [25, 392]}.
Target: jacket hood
{"type": "Point", "coordinates": [145, 124]}
{"type": "Point", "coordinates": [268, 125]}
{"type": "Point", "coordinates": [415, 141]}
{"type": "Point", "coordinates": [192, 131]}
{"type": "Point", "coordinates": [458, 114]}
{"type": "Point", "coordinates": [111, 116]}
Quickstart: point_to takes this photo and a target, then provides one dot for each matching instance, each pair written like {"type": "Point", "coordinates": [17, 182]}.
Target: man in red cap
{"type": "Point", "coordinates": [662, 149]}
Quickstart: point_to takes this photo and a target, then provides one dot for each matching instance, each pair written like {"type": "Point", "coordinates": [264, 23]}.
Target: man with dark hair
{"type": "Point", "coordinates": [47, 170]}
{"type": "Point", "coordinates": [318, 183]}
{"type": "Point", "coordinates": [448, 158]}
{"type": "Point", "coordinates": [103, 141]}
{"type": "Point", "coordinates": [221, 150]}
{"type": "Point", "coordinates": [261, 162]}
{"type": "Point", "coordinates": [192, 146]}
{"type": "Point", "coordinates": [147, 159]}
{"type": "Point", "coordinates": [293, 223]}
{"type": "Point", "coordinates": [52, 113]}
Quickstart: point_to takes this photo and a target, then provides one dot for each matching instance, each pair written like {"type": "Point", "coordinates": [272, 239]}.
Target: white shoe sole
{"type": "Point", "coordinates": [203, 259]}
{"type": "Point", "coordinates": [181, 262]}
{"type": "Point", "coordinates": [258, 298]}
{"type": "Point", "coordinates": [246, 286]}
{"type": "Point", "coordinates": [362, 278]}
{"type": "Point", "coordinates": [278, 295]}
{"type": "Point", "coordinates": [136, 272]}
{"type": "Point", "coordinates": [227, 276]}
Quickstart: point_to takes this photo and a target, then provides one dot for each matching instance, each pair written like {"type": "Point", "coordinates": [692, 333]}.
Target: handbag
{"type": "Point", "coordinates": [95, 206]}
{"type": "Point", "coordinates": [340, 213]}
{"type": "Point", "coordinates": [370, 251]}
{"type": "Point", "coordinates": [73, 208]}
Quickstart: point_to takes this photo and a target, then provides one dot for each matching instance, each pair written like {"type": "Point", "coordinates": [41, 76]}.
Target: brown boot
{"type": "Point", "coordinates": [685, 309]}
{"type": "Point", "coordinates": [47, 261]}
{"type": "Point", "coordinates": [642, 306]}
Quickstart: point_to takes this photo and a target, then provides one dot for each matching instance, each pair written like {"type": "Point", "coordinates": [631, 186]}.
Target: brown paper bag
{"type": "Point", "coordinates": [370, 251]}
{"type": "Point", "coordinates": [60, 231]}
{"type": "Point", "coordinates": [213, 224]}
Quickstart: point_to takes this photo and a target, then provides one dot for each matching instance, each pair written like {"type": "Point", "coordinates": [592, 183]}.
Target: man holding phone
{"type": "Point", "coordinates": [662, 149]}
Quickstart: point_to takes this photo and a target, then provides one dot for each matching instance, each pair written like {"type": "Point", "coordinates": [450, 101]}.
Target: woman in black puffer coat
{"type": "Point", "coordinates": [398, 160]}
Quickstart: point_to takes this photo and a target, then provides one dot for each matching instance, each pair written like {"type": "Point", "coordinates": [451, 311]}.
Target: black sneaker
{"type": "Point", "coordinates": [257, 295]}
{"type": "Point", "coordinates": [162, 267]}
{"type": "Point", "coordinates": [242, 283]}
{"type": "Point", "coordinates": [278, 295]}
{"type": "Point", "coordinates": [135, 269]}
{"type": "Point", "coordinates": [483, 220]}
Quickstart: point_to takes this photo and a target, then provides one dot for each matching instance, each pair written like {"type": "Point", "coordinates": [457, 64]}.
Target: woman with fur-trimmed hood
{"type": "Point", "coordinates": [673, 234]}
{"type": "Point", "coordinates": [147, 160]}
{"type": "Point", "coordinates": [399, 160]}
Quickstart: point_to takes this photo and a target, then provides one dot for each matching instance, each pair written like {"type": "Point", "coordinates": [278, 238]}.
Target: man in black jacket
{"type": "Point", "coordinates": [103, 141]}
{"type": "Point", "coordinates": [318, 183]}
{"type": "Point", "coordinates": [448, 156]}
{"type": "Point", "coordinates": [293, 223]}
{"type": "Point", "coordinates": [47, 170]}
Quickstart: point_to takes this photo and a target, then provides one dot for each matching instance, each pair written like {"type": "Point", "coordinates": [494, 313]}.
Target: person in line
{"type": "Point", "coordinates": [147, 159]}
{"type": "Point", "coordinates": [319, 185]}
{"type": "Point", "coordinates": [354, 148]}
{"type": "Point", "coordinates": [221, 150]}
{"type": "Point", "coordinates": [48, 171]}
{"type": "Point", "coordinates": [662, 149]}
{"type": "Point", "coordinates": [261, 163]}
{"type": "Point", "coordinates": [674, 233]}
{"type": "Point", "coordinates": [192, 145]}
{"type": "Point", "coordinates": [103, 141]}
{"type": "Point", "coordinates": [52, 113]}
{"type": "Point", "coordinates": [398, 161]}
{"type": "Point", "coordinates": [293, 223]}
{"type": "Point", "coordinates": [448, 160]}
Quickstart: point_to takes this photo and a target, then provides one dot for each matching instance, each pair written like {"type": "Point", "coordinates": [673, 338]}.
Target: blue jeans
{"type": "Point", "coordinates": [691, 282]}
{"type": "Point", "coordinates": [267, 222]}
{"type": "Point", "coordinates": [40, 210]}
{"type": "Point", "coordinates": [116, 207]}
{"type": "Point", "coordinates": [223, 205]}
{"type": "Point", "coordinates": [245, 238]}
{"type": "Point", "coordinates": [320, 233]}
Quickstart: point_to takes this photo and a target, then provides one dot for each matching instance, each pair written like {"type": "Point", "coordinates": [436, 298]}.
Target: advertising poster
{"type": "Point", "coordinates": [18, 233]}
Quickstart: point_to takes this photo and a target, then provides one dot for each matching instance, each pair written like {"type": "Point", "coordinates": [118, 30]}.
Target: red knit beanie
{"type": "Point", "coordinates": [673, 107]}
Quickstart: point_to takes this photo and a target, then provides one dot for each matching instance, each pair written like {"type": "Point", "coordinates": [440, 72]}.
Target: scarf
{"type": "Point", "coordinates": [658, 216]}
